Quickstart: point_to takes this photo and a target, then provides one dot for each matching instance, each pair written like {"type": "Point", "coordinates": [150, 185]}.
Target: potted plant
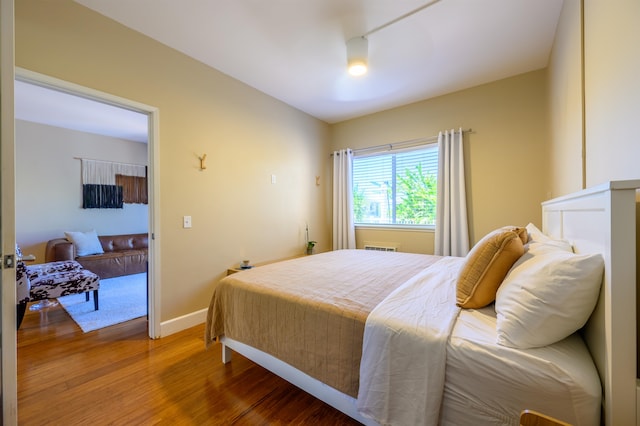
{"type": "Point", "coordinates": [310, 246]}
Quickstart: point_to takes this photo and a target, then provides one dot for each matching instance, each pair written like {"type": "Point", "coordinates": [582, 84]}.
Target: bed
{"type": "Point", "coordinates": [344, 348]}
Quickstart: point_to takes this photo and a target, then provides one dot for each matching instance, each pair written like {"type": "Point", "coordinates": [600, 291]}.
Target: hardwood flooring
{"type": "Point", "coordinates": [118, 376]}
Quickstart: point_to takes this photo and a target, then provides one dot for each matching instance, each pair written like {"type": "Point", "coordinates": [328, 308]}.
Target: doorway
{"type": "Point", "coordinates": [134, 111]}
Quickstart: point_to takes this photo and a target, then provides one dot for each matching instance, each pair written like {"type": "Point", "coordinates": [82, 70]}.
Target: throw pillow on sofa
{"type": "Point", "coordinates": [85, 243]}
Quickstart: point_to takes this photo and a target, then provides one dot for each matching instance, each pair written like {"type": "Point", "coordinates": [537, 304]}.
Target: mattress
{"type": "Point", "coordinates": [489, 384]}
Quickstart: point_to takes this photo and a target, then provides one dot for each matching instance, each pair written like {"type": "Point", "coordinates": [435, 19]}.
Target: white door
{"type": "Point", "coordinates": [8, 373]}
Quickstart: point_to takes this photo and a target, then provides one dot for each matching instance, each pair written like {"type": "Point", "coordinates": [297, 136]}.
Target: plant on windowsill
{"type": "Point", "coordinates": [310, 246]}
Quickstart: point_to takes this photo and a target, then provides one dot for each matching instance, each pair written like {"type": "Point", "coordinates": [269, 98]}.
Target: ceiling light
{"type": "Point", "coordinates": [357, 60]}
{"type": "Point", "coordinates": [357, 47]}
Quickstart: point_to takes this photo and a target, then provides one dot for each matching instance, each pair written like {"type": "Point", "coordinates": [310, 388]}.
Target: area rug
{"type": "Point", "coordinates": [120, 299]}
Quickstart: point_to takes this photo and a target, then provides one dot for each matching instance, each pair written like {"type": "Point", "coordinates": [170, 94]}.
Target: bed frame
{"type": "Point", "coordinates": [602, 220]}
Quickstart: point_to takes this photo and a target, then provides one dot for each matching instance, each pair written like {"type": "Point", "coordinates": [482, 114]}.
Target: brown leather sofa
{"type": "Point", "coordinates": [123, 254]}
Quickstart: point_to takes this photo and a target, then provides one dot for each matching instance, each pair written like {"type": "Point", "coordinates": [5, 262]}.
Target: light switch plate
{"type": "Point", "coordinates": [186, 222]}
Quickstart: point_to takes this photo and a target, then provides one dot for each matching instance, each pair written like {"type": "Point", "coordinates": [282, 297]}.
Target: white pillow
{"type": "Point", "coordinates": [537, 237]}
{"type": "Point", "coordinates": [546, 296]}
{"type": "Point", "coordinates": [86, 243]}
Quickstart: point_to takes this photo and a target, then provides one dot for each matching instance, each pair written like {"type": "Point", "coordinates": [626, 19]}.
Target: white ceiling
{"type": "Point", "coordinates": [55, 108]}
{"type": "Point", "coordinates": [295, 50]}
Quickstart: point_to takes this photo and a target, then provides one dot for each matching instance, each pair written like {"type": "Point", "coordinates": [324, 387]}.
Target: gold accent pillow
{"type": "Point", "coordinates": [486, 266]}
{"type": "Point", "coordinates": [520, 230]}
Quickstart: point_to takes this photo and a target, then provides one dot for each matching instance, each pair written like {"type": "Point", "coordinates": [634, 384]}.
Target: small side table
{"type": "Point", "coordinates": [238, 268]}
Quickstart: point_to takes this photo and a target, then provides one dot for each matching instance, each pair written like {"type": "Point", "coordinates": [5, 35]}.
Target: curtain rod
{"type": "Point", "coordinates": [403, 144]}
{"type": "Point", "coordinates": [112, 162]}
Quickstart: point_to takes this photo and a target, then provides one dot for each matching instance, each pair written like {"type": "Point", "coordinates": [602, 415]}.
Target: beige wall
{"type": "Point", "coordinates": [565, 103]}
{"type": "Point", "coordinates": [611, 94]}
{"type": "Point", "coordinates": [612, 89]}
{"type": "Point", "coordinates": [237, 213]}
{"type": "Point", "coordinates": [49, 187]}
{"type": "Point", "coordinates": [506, 155]}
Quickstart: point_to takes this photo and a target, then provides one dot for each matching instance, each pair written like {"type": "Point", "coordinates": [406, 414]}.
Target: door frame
{"type": "Point", "coordinates": [153, 160]}
{"type": "Point", "coordinates": [9, 369]}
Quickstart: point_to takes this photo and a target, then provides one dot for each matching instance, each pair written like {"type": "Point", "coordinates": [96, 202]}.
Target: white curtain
{"type": "Point", "coordinates": [452, 231]}
{"type": "Point", "coordinates": [344, 233]}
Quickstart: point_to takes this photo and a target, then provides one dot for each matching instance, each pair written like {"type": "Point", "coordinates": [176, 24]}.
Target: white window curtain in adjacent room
{"type": "Point", "coordinates": [344, 233]}
{"type": "Point", "coordinates": [452, 231]}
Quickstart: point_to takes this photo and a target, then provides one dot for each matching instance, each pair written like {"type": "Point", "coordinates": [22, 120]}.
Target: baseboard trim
{"type": "Point", "coordinates": [182, 323]}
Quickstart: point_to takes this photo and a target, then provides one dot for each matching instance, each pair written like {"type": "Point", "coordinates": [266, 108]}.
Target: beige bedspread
{"type": "Point", "coordinates": [310, 312]}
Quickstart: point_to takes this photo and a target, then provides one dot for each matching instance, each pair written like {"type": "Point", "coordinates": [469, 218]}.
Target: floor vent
{"type": "Point", "coordinates": [379, 248]}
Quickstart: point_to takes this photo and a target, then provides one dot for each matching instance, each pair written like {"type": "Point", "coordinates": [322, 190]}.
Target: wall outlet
{"type": "Point", "coordinates": [186, 222]}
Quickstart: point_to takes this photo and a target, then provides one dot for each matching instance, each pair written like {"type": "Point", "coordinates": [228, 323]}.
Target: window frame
{"type": "Point", "coordinates": [388, 151]}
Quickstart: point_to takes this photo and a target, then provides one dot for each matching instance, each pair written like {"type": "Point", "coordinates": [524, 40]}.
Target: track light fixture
{"type": "Point", "coordinates": [357, 47]}
{"type": "Point", "coordinates": [357, 52]}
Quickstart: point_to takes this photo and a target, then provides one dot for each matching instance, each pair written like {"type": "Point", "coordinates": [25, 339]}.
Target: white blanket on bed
{"type": "Point", "coordinates": [404, 350]}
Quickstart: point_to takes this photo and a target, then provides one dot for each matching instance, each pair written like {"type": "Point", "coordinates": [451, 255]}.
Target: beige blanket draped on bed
{"type": "Point", "coordinates": [310, 312]}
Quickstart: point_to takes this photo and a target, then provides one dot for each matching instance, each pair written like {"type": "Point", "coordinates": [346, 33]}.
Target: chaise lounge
{"type": "Point", "coordinates": [52, 280]}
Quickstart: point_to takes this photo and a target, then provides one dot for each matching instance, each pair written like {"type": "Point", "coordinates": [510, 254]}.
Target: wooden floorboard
{"type": "Point", "coordinates": [118, 376]}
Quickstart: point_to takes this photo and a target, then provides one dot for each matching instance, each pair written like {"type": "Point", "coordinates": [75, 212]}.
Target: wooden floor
{"type": "Point", "coordinates": [119, 376]}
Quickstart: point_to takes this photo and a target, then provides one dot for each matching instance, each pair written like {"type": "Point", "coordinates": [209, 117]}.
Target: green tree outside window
{"type": "Point", "coordinates": [418, 194]}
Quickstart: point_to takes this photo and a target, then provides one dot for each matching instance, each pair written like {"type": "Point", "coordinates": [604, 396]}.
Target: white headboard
{"type": "Point", "coordinates": [602, 219]}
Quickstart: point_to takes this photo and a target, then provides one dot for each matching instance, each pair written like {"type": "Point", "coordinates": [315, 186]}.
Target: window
{"type": "Point", "coordinates": [396, 188]}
